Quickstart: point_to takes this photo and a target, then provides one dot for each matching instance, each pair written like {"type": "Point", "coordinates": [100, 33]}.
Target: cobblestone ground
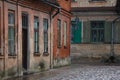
{"type": "Point", "coordinates": [78, 72]}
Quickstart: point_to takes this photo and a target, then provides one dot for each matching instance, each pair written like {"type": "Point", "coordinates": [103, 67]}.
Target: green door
{"type": "Point", "coordinates": [76, 32]}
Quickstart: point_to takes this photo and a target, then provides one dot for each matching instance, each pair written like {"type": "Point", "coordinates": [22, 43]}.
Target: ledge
{"type": "Point", "coordinates": [12, 55]}
{"type": "Point", "coordinates": [37, 54]}
{"type": "Point", "coordinates": [1, 56]}
{"type": "Point", "coordinates": [65, 47]}
{"type": "Point", "coordinates": [45, 54]}
{"type": "Point", "coordinates": [98, 1]}
{"type": "Point", "coordinates": [59, 46]}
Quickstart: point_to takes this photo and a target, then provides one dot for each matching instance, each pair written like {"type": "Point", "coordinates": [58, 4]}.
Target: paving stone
{"type": "Point", "coordinates": [78, 72]}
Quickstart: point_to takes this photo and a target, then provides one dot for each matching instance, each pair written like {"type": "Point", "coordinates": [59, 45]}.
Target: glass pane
{"type": "Point", "coordinates": [36, 42]}
{"type": "Point", "coordinates": [24, 20]}
{"type": "Point", "coordinates": [59, 32]}
{"type": "Point", "coordinates": [94, 35]}
{"type": "Point", "coordinates": [100, 35]}
{"type": "Point", "coordinates": [11, 33]}
{"type": "Point", "coordinates": [65, 33]}
{"type": "Point", "coordinates": [11, 47]}
{"type": "Point", "coordinates": [45, 25]}
{"type": "Point", "coordinates": [36, 22]}
{"type": "Point", "coordinates": [10, 18]}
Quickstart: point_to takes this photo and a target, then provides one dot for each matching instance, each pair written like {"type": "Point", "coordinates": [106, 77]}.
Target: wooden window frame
{"type": "Point", "coordinates": [59, 33]}
{"type": "Point", "coordinates": [24, 21]}
{"type": "Point", "coordinates": [65, 34]}
{"type": "Point", "coordinates": [98, 29]}
{"type": "Point", "coordinates": [97, 0]}
{"type": "Point", "coordinates": [36, 30]}
{"type": "Point", "coordinates": [45, 34]}
{"type": "Point", "coordinates": [10, 27]}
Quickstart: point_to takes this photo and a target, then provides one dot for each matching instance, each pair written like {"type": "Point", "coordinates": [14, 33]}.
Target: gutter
{"type": "Point", "coordinates": [53, 5]}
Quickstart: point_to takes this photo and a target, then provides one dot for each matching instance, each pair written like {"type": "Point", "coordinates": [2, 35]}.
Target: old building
{"type": "Point", "coordinates": [61, 35]}
{"type": "Point", "coordinates": [92, 31]}
{"type": "Point", "coordinates": [30, 31]}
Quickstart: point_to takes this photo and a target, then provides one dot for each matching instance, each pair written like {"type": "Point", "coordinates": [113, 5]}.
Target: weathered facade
{"type": "Point", "coordinates": [61, 43]}
{"type": "Point", "coordinates": [91, 35]}
{"type": "Point", "coordinates": [28, 33]}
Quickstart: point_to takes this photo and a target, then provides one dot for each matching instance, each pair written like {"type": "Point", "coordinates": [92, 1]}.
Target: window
{"type": "Point", "coordinates": [97, 0]}
{"type": "Point", "coordinates": [24, 20]}
{"type": "Point", "coordinates": [36, 34]}
{"type": "Point", "coordinates": [97, 31]}
{"type": "Point", "coordinates": [45, 25]}
{"type": "Point", "coordinates": [59, 33]}
{"type": "Point", "coordinates": [73, 0]}
{"type": "Point", "coordinates": [11, 33]}
{"type": "Point", "coordinates": [65, 34]}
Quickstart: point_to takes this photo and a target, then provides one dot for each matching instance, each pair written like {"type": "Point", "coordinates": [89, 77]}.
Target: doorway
{"type": "Point", "coordinates": [25, 41]}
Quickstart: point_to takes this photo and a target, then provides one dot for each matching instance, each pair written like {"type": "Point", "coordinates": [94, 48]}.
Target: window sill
{"type": "Point", "coordinates": [65, 47]}
{"type": "Point", "coordinates": [1, 56]}
{"type": "Point", "coordinates": [45, 54]}
{"type": "Point", "coordinates": [12, 55]}
{"type": "Point", "coordinates": [59, 46]}
{"type": "Point", "coordinates": [37, 54]}
{"type": "Point", "coordinates": [98, 1]}
{"type": "Point", "coordinates": [74, 2]}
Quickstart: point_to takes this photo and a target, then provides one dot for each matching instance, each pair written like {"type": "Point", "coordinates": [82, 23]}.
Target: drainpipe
{"type": "Point", "coordinates": [51, 25]}
{"type": "Point", "coordinates": [50, 42]}
{"type": "Point", "coordinates": [58, 11]}
{"type": "Point", "coordinates": [4, 39]}
{"type": "Point", "coordinates": [17, 39]}
{"type": "Point", "coordinates": [112, 42]}
{"type": "Point", "coordinates": [112, 55]}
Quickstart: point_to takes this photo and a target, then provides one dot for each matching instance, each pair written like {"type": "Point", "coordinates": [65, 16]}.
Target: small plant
{"type": "Point", "coordinates": [42, 65]}
{"type": "Point", "coordinates": [2, 73]}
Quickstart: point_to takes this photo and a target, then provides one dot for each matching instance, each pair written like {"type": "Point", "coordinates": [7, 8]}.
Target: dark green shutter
{"type": "Point", "coordinates": [117, 32]}
{"type": "Point", "coordinates": [77, 33]}
{"type": "Point", "coordinates": [86, 32]}
{"type": "Point", "coordinates": [108, 31]}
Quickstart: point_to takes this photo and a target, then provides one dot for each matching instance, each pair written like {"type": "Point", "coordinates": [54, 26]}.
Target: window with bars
{"type": "Point", "coordinates": [59, 33]}
{"type": "Point", "coordinates": [65, 34]}
{"type": "Point", "coordinates": [11, 33]}
{"type": "Point", "coordinates": [97, 31]}
{"type": "Point", "coordinates": [36, 34]}
{"type": "Point", "coordinates": [45, 25]}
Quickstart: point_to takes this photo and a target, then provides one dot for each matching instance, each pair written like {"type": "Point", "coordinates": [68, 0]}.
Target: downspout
{"type": "Point", "coordinates": [51, 25]}
{"type": "Point", "coordinates": [4, 39]}
{"type": "Point", "coordinates": [112, 55]}
{"type": "Point", "coordinates": [58, 11]}
{"type": "Point", "coordinates": [50, 41]}
{"type": "Point", "coordinates": [112, 43]}
{"type": "Point", "coordinates": [17, 40]}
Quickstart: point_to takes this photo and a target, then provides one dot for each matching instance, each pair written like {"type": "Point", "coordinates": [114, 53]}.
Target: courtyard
{"type": "Point", "coordinates": [90, 71]}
